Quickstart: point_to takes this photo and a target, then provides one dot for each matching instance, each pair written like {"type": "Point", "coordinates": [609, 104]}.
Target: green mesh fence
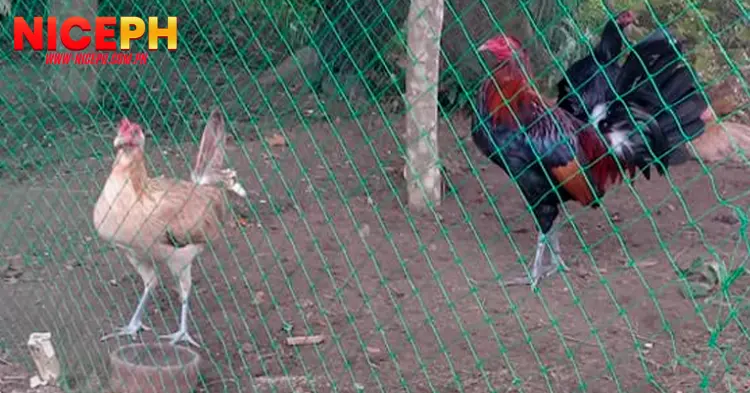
{"type": "Point", "coordinates": [325, 244]}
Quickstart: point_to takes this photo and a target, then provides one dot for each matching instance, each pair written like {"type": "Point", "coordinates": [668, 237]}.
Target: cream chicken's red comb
{"type": "Point", "coordinates": [126, 126]}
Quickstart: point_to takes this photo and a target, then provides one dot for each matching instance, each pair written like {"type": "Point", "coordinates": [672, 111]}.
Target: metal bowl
{"type": "Point", "coordinates": [153, 368]}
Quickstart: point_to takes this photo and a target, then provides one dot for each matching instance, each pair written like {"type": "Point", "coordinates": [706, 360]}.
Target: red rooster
{"type": "Point", "coordinates": [554, 157]}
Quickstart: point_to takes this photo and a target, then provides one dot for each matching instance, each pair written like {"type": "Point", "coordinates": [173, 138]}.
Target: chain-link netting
{"type": "Point", "coordinates": [322, 279]}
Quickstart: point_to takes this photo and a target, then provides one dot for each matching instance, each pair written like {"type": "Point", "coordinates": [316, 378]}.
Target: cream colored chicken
{"type": "Point", "coordinates": [161, 220]}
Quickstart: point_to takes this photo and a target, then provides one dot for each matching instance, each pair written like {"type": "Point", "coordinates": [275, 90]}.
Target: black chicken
{"type": "Point", "coordinates": [589, 75]}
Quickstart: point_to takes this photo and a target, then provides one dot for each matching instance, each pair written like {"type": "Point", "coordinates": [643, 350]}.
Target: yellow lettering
{"type": "Point", "coordinates": [131, 28]}
{"type": "Point", "coordinates": [155, 32]}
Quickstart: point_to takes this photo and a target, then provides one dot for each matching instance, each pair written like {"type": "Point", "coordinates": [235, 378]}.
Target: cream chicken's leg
{"type": "Point", "coordinates": [148, 275]}
{"type": "Point", "coordinates": [180, 265]}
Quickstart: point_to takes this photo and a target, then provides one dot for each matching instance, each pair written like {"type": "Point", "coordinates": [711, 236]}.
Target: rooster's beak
{"type": "Point", "coordinates": [483, 48]}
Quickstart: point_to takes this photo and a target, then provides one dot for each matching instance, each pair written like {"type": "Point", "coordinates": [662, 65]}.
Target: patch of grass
{"type": "Point", "coordinates": [571, 44]}
{"type": "Point", "coordinates": [694, 22]}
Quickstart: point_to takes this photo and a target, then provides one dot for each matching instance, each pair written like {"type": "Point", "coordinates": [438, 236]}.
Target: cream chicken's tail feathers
{"type": "Point", "coordinates": [209, 165]}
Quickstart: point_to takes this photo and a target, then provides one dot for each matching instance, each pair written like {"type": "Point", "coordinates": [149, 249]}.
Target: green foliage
{"type": "Point", "coordinates": [693, 22]}
{"type": "Point", "coordinates": [228, 27]}
{"type": "Point", "coordinates": [29, 9]}
{"type": "Point", "coordinates": [592, 13]}
{"type": "Point", "coordinates": [289, 17]}
{"type": "Point", "coordinates": [253, 28]}
{"type": "Point", "coordinates": [570, 42]}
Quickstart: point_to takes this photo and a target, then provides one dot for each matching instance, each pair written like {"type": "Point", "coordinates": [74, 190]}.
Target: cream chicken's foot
{"type": "Point", "coordinates": [181, 335]}
{"type": "Point", "coordinates": [135, 325]}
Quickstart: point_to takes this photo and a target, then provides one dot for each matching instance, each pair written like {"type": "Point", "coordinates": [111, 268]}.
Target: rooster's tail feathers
{"type": "Point", "coordinates": [209, 165]}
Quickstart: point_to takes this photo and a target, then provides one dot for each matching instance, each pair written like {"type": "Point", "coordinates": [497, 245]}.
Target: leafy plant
{"type": "Point", "coordinates": [568, 46]}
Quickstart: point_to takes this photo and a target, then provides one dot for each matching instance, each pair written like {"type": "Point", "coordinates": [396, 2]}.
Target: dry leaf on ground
{"type": "Point", "coordinates": [276, 140]}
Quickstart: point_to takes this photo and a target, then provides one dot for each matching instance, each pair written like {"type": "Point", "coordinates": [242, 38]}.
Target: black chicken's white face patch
{"type": "Point", "coordinates": [620, 142]}
{"type": "Point", "coordinates": [598, 114]}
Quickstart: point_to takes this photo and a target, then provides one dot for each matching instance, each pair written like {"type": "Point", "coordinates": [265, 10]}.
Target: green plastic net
{"type": "Point", "coordinates": [325, 244]}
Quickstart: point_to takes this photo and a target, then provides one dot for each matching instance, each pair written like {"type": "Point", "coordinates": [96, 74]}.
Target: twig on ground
{"type": "Point", "coordinates": [567, 337]}
{"type": "Point", "coordinates": [305, 340]}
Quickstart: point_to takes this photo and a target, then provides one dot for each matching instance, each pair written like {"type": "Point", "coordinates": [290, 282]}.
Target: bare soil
{"type": "Point", "coordinates": [407, 302]}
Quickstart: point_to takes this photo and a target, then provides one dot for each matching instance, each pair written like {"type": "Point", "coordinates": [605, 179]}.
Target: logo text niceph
{"type": "Point", "coordinates": [131, 28]}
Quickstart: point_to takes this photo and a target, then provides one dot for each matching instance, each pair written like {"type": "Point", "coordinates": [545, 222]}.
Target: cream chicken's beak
{"type": "Point", "coordinates": [119, 140]}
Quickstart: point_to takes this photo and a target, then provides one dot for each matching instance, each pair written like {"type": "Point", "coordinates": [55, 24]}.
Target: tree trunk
{"type": "Point", "coordinates": [425, 22]}
{"type": "Point", "coordinates": [74, 82]}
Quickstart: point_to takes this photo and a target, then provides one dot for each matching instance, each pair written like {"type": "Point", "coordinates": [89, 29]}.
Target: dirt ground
{"type": "Point", "coordinates": [325, 245]}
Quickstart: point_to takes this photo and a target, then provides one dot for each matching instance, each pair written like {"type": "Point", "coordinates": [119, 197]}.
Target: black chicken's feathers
{"type": "Point", "coordinates": [591, 75]}
{"type": "Point", "coordinates": [652, 55]}
{"type": "Point", "coordinates": [661, 103]}
{"type": "Point", "coordinates": [610, 44]}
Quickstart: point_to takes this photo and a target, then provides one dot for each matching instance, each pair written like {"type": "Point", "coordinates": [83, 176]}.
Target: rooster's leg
{"type": "Point", "coordinates": [546, 215]}
{"type": "Point", "coordinates": [135, 325]}
{"type": "Point", "coordinates": [539, 269]}
{"type": "Point", "coordinates": [556, 250]}
{"type": "Point", "coordinates": [180, 265]}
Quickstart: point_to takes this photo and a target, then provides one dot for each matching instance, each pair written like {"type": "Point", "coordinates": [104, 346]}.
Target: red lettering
{"type": "Point", "coordinates": [67, 40]}
{"type": "Point", "coordinates": [103, 32]}
{"type": "Point", "coordinates": [52, 33]}
{"type": "Point", "coordinates": [21, 31]}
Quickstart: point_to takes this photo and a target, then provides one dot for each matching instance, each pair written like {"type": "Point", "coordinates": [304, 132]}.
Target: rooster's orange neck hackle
{"type": "Point", "coordinates": [510, 93]}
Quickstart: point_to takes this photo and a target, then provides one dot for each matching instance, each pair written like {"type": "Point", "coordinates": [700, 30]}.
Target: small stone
{"type": "Point", "coordinates": [364, 231]}
{"type": "Point", "coordinates": [375, 354]}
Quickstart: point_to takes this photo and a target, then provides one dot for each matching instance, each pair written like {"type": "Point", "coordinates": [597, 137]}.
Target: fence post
{"type": "Point", "coordinates": [425, 23]}
{"type": "Point", "coordinates": [74, 82]}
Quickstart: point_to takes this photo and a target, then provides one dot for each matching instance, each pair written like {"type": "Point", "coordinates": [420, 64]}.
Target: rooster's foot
{"type": "Point", "coordinates": [559, 262]}
{"type": "Point", "coordinates": [131, 330]}
{"type": "Point", "coordinates": [180, 336]}
{"type": "Point", "coordinates": [536, 276]}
